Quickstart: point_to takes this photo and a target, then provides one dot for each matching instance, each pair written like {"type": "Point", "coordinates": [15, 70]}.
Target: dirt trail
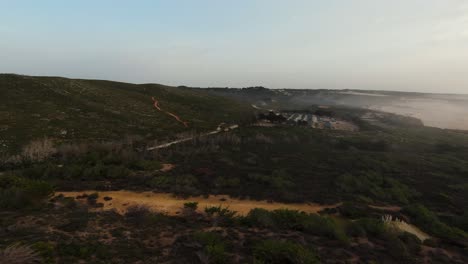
{"type": "Point", "coordinates": [217, 131]}
{"type": "Point", "coordinates": [403, 226]}
{"type": "Point", "coordinates": [176, 117]}
{"type": "Point", "coordinates": [171, 205]}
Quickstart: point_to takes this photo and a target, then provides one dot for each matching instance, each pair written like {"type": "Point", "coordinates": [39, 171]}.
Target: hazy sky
{"type": "Point", "coordinates": [415, 45]}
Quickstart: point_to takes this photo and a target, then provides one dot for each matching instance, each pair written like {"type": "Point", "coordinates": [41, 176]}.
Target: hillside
{"type": "Point", "coordinates": [70, 109]}
{"type": "Point", "coordinates": [313, 182]}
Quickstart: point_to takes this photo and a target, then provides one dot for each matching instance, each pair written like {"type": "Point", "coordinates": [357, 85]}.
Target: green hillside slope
{"type": "Point", "coordinates": [66, 109]}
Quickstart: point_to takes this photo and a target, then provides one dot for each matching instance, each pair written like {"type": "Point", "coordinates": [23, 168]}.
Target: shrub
{"type": "Point", "coordinates": [374, 186]}
{"type": "Point", "coordinates": [213, 248]}
{"type": "Point", "coordinates": [147, 165]}
{"type": "Point", "coordinates": [259, 217]}
{"type": "Point", "coordinates": [396, 248]}
{"type": "Point", "coordinates": [93, 196]}
{"type": "Point", "coordinates": [371, 227]}
{"type": "Point", "coordinates": [274, 251]}
{"type": "Point", "coordinates": [116, 172]}
{"type": "Point", "coordinates": [190, 208]}
{"type": "Point", "coordinates": [412, 243]}
{"type": "Point", "coordinates": [142, 214]}
{"type": "Point", "coordinates": [296, 220]}
{"type": "Point", "coordinates": [162, 182]}
{"type": "Point", "coordinates": [45, 250]}
{"type": "Point", "coordinates": [83, 251]}
{"type": "Point", "coordinates": [219, 211]}
{"type": "Point", "coordinates": [191, 205]}
{"type": "Point", "coordinates": [353, 210]}
{"type": "Point", "coordinates": [220, 215]}
{"type": "Point", "coordinates": [186, 184]}
{"type": "Point", "coordinates": [137, 211]}
{"type": "Point", "coordinates": [428, 221]}
{"type": "Point", "coordinates": [76, 220]}
{"type": "Point", "coordinates": [18, 192]}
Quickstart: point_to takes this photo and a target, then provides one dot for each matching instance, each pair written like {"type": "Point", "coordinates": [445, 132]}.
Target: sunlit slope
{"type": "Point", "coordinates": [33, 107]}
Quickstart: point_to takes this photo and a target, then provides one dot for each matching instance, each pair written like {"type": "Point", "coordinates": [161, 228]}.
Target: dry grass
{"type": "Point", "coordinates": [39, 150]}
{"type": "Point", "coordinates": [19, 254]}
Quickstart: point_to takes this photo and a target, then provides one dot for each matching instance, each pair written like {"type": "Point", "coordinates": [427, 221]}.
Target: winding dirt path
{"type": "Point", "coordinates": [168, 144]}
{"type": "Point", "coordinates": [176, 117]}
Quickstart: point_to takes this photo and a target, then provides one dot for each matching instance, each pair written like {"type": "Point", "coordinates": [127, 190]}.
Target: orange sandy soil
{"type": "Point", "coordinates": [167, 203]}
{"type": "Point", "coordinates": [167, 167]}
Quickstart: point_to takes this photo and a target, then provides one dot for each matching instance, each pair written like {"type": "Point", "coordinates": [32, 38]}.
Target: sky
{"type": "Point", "coordinates": [405, 45]}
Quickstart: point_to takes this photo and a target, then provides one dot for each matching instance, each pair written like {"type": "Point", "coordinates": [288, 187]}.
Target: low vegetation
{"type": "Point", "coordinates": [393, 166]}
{"type": "Point", "coordinates": [277, 252]}
{"type": "Point", "coordinates": [66, 110]}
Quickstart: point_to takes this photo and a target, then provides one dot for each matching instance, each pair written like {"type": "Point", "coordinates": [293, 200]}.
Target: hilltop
{"type": "Point", "coordinates": [76, 109]}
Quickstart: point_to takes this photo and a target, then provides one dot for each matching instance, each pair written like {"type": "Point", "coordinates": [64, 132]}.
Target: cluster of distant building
{"type": "Point", "coordinates": [304, 119]}
{"type": "Point", "coordinates": [310, 120]}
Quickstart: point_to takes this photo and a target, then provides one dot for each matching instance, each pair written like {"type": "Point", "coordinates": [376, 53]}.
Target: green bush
{"type": "Point", "coordinates": [221, 215]}
{"type": "Point", "coordinates": [83, 250]}
{"type": "Point", "coordinates": [142, 215]}
{"type": "Point", "coordinates": [282, 252]}
{"type": "Point", "coordinates": [371, 227]}
{"type": "Point", "coordinates": [46, 251]}
{"type": "Point", "coordinates": [92, 198]}
{"type": "Point", "coordinates": [412, 243]}
{"type": "Point", "coordinates": [353, 210]}
{"type": "Point", "coordinates": [162, 182]}
{"type": "Point", "coordinates": [259, 217]}
{"type": "Point", "coordinates": [429, 222]}
{"type": "Point", "coordinates": [375, 186]}
{"type": "Point", "coordinates": [296, 220]}
{"type": "Point", "coordinates": [75, 220]}
{"type": "Point", "coordinates": [396, 248]}
{"type": "Point", "coordinates": [213, 247]}
{"type": "Point", "coordinates": [220, 211]}
{"type": "Point", "coordinates": [146, 165]}
{"type": "Point", "coordinates": [18, 192]}
{"type": "Point", "coordinates": [191, 205]}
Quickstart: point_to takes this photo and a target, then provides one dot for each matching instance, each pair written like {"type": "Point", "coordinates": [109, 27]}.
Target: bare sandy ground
{"type": "Point", "coordinates": [403, 226]}
{"type": "Point", "coordinates": [167, 167]}
{"type": "Point", "coordinates": [167, 203]}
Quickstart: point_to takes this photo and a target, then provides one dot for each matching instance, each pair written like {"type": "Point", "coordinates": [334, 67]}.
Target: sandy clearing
{"type": "Point", "coordinates": [167, 203]}
{"type": "Point", "coordinates": [403, 226]}
{"type": "Point", "coordinates": [167, 167]}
